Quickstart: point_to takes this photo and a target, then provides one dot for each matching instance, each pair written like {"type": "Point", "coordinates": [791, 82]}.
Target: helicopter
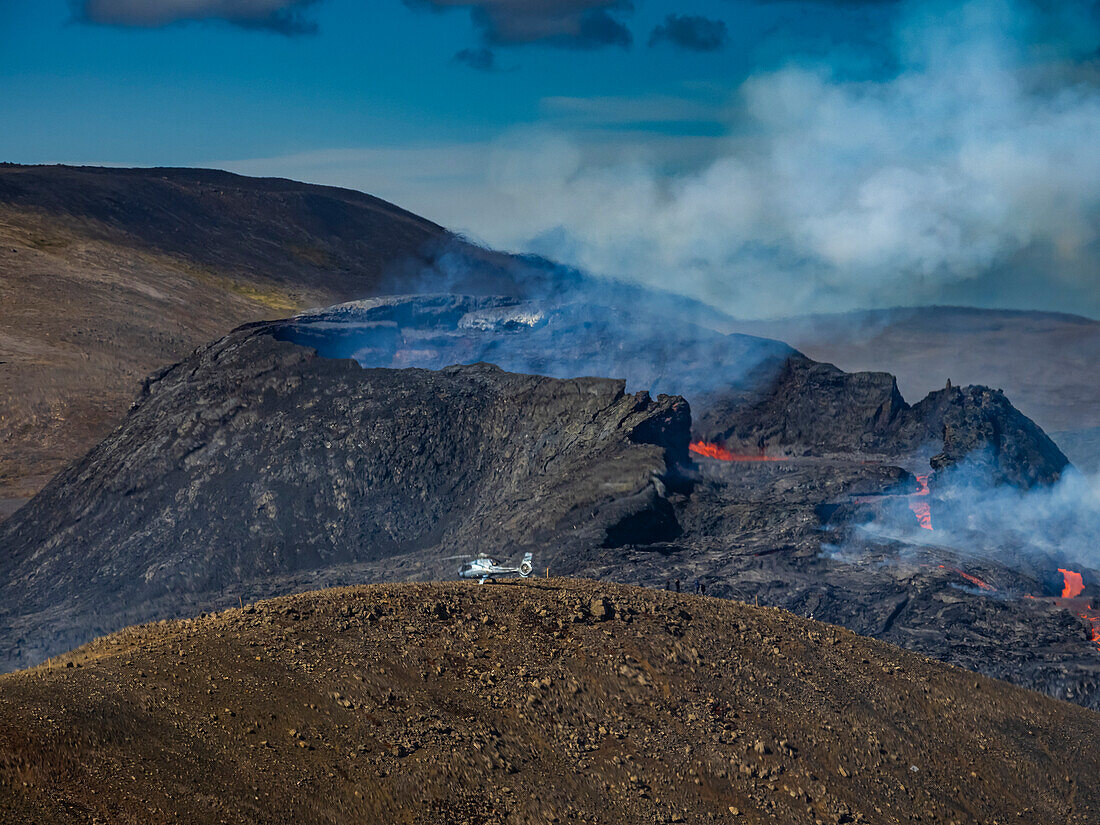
{"type": "Point", "coordinates": [486, 569]}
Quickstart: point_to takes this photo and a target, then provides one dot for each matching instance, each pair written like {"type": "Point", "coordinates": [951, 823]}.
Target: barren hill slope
{"type": "Point", "coordinates": [539, 701]}
{"type": "Point", "coordinates": [109, 274]}
{"type": "Point", "coordinates": [304, 237]}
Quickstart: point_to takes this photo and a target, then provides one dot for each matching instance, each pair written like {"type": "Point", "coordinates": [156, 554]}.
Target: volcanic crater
{"type": "Point", "coordinates": [343, 445]}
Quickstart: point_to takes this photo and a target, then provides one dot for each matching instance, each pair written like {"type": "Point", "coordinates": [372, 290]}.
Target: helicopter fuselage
{"type": "Point", "coordinates": [485, 569]}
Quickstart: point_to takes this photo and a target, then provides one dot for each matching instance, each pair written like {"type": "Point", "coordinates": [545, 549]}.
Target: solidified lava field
{"type": "Point", "coordinates": [270, 463]}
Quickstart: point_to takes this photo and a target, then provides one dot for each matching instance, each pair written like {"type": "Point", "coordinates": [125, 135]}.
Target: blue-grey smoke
{"type": "Point", "coordinates": [969, 171]}
{"type": "Point", "coordinates": [1031, 533]}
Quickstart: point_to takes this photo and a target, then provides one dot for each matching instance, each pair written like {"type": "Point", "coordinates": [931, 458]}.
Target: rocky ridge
{"type": "Point", "coordinates": [752, 394]}
{"type": "Point", "coordinates": [542, 701]}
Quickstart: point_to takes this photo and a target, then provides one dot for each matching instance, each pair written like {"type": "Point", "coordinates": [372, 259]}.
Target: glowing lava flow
{"type": "Point", "coordinates": [1072, 585]}
{"type": "Point", "coordinates": [921, 509]}
{"type": "Point", "coordinates": [722, 454]}
{"type": "Point", "coordinates": [972, 579]}
{"type": "Point", "coordinates": [1092, 619]}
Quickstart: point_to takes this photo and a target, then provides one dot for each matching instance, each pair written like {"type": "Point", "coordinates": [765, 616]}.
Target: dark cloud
{"type": "Point", "coordinates": [585, 24]}
{"type": "Point", "coordinates": [482, 59]}
{"type": "Point", "coordinates": [581, 24]}
{"type": "Point", "coordinates": [693, 32]}
{"type": "Point", "coordinates": [283, 16]}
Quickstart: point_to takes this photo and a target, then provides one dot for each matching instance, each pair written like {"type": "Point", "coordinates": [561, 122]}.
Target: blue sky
{"type": "Point", "coordinates": [769, 157]}
{"type": "Point", "coordinates": [374, 73]}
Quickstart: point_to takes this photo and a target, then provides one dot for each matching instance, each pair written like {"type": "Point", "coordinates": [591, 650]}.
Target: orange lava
{"type": "Point", "coordinates": [1073, 583]}
{"type": "Point", "coordinates": [719, 452]}
{"type": "Point", "coordinates": [1092, 619]}
{"type": "Point", "coordinates": [1071, 599]}
{"type": "Point", "coordinates": [921, 509]}
{"type": "Point", "coordinates": [972, 579]}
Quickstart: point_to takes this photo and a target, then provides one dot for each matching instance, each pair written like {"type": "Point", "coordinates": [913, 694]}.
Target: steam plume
{"type": "Point", "coordinates": [970, 167]}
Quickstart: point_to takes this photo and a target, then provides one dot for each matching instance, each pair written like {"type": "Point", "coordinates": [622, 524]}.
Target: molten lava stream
{"type": "Point", "coordinates": [719, 452]}
{"type": "Point", "coordinates": [921, 509]}
{"type": "Point", "coordinates": [1072, 583]}
{"type": "Point", "coordinates": [972, 579]}
{"type": "Point", "coordinates": [1092, 619]}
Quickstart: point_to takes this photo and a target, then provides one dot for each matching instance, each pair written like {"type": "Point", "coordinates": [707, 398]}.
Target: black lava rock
{"type": "Point", "coordinates": [256, 459]}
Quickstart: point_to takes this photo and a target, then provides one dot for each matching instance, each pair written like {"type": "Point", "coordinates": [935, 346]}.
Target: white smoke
{"type": "Point", "coordinates": [1032, 532]}
{"type": "Point", "coordinates": [979, 152]}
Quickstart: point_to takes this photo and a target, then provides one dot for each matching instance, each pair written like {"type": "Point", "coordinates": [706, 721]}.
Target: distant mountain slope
{"type": "Point", "coordinates": [304, 237]}
{"type": "Point", "coordinates": [109, 274]}
{"type": "Point", "coordinates": [1082, 447]}
{"type": "Point", "coordinates": [543, 701]}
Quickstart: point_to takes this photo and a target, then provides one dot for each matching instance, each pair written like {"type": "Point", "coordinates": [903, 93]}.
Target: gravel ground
{"type": "Point", "coordinates": [547, 700]}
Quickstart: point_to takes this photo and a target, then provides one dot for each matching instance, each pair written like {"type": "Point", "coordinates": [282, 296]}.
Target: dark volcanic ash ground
{"type": "Point", "coordinates": [259, 467]}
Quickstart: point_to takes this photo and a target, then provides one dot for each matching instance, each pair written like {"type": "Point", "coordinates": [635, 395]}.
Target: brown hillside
{"type": "Point", "coordinates": [109, 274]}
{"type": "Point", "coordinates": [537, 701]}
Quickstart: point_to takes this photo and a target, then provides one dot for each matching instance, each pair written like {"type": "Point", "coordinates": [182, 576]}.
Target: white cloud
{"type": "Point", "coordinates": [975, 162]}
{"type": "Point", "coordinates": [842, 193]}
